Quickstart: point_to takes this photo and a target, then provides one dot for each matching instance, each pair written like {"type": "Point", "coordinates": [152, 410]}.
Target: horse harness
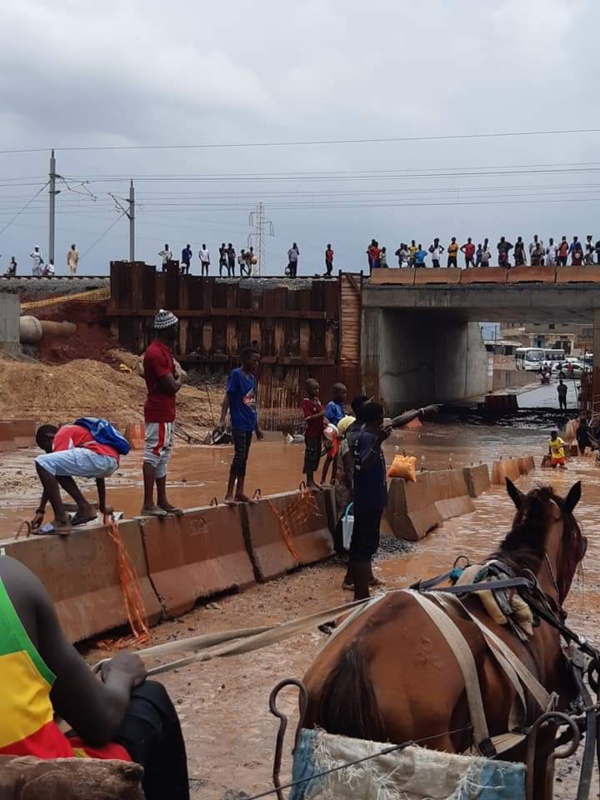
{"type": "Point", "coordinates": [446, 601]}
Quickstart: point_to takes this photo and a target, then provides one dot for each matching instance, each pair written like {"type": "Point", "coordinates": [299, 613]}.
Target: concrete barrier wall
{"type": "Point", "coordinates": [507, 468]}
{"type": "Point", "coordinates": [411, 511]}
{"type": "Point", "coordinates": [196, 556]}
{"type": "Point", "coordinates": [272, 551]}
{"type": "Point", "coordinates": [526, 465]}
{"type": "Point", "coordinates": [80, 574]}
{"type": "Point", "coordinates": [511, 379]}
{"type": "Point", "coordinates": [451, 493]}
{"type": "Point", "coordinates": [477, 479]}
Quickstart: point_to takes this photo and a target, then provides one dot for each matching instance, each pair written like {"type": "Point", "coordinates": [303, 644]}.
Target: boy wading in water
{"type": "Point", "coordinates": [240, 401]}
{"type": "Point", "coordinates": [314, 414]}
{"type": "Point", "coordinates": [163, 381]}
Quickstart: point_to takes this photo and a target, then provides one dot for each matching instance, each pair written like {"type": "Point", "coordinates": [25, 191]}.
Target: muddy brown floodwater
{"type": "Point", "coordinates": [223, 704]}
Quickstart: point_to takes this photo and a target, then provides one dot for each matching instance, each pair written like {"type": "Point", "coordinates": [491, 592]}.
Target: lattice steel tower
{"type": "Point", "coordinates": [262, 227]}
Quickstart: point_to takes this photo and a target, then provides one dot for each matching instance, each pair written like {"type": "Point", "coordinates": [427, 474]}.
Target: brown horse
{"type": "Point", "coordinates": [390, 676]}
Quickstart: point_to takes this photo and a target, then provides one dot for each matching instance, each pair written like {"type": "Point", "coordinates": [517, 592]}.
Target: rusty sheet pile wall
{"type": "Point", "coordinates": [303, 327]}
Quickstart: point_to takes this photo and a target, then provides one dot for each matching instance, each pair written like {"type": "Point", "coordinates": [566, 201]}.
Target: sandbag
{"type": "Point", "coordinates": [413, 773]}
{"type": "Point", "coordinates": [403, 467]}
{"type": "Point", "coordinates": [28, 778]}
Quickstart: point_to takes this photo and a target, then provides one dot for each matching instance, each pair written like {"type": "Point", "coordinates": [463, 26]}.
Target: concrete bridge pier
{"type": "Point", "coordinates": [411, 358]}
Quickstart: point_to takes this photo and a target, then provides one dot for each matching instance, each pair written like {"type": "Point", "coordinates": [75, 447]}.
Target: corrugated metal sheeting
{"type": "Point", "coordinates": [302, 327]}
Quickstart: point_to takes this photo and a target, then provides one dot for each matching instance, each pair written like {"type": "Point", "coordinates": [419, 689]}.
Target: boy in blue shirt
{"type": "Point", "coordinates": [334, 411]}
{"type": "Point", "coordinates": [240, 401]}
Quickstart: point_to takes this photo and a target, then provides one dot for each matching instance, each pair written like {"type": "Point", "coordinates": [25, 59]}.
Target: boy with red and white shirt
{"type": "Point", "coordinates": [70, 452]}
{"type": "Point", "coordinates": [163, 380]}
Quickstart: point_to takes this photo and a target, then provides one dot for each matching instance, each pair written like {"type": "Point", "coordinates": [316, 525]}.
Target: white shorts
{"type": "Point", "coordinates": [78, 462]}
{"type": "Point", "coordinates": [159, 442]}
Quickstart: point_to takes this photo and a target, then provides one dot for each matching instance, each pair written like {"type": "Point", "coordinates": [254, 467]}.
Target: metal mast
{"type": "Point", "coordinates": [52, 192]}
{"type": "Point", "coordinates": [262, 227]}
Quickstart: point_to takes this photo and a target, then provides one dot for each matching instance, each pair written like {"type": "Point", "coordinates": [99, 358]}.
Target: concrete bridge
{"type": "Point", "coordinates": [420, 337]}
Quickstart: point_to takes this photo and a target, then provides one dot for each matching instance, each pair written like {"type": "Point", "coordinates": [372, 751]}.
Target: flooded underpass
{"type": "Point", "coordinates": [223, 703]}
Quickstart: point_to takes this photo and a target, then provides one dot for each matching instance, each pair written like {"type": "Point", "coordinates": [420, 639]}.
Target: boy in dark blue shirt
{"type": "Point", "coordinates": [334, 411]}
{"type": "Point", "coordinates": [240, 401]}
{"type": "Point", "coordinates": [370, 495]}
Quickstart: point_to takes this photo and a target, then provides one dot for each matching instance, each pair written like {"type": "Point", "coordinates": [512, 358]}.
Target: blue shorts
{"type": "Point", "coordinates": [78, 462]}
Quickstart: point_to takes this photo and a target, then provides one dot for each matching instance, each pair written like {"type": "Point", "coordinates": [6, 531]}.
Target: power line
{"type": "Point", "coordinates": [18, 214]}
{"type": "Point", "coordinates": [311, 143]}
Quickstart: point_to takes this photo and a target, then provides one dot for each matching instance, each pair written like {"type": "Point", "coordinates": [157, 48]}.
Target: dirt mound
{"type": "Point", "coordinates": [90, 388]}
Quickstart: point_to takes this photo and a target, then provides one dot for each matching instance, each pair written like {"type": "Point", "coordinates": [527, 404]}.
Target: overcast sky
{"type": "Point", "coordinates": [83, 73]}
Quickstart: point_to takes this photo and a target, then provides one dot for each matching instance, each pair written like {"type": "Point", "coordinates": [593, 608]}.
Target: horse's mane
{"type": "Point", "coordinates": [525, 545]}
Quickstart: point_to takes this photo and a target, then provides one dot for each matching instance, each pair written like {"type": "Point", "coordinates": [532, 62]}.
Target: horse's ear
{"type": "Point", "coordinates": [573, 497]}
{"type": "Point", "coordinates": [516, 495]}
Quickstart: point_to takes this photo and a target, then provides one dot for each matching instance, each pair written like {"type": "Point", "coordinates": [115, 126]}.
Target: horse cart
{"type": "Point", "coordinates": [469, 685]}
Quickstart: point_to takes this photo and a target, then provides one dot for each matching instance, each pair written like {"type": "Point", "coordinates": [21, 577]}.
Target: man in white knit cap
{"type": "Point", "coordinates": [163, 380]}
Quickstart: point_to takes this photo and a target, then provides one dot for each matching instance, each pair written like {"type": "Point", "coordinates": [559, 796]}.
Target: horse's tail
{"type": "Point", "coordinates": [347, 704]}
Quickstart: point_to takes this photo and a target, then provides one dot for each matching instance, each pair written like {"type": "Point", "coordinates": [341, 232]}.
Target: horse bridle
{"type": "Point", "coordinates": [552, 577]}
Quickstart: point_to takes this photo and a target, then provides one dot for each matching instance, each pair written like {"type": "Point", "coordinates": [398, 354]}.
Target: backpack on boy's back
{"type": "Point", "coordinates": [105, 433]}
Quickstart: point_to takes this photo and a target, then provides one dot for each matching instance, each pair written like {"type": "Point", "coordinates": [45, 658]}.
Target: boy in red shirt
{"type": "Point", "coordinates": [70, 452]}
{"type": "Point", "coordinates": [163, 381]}
{"type": "Point", "coordinates": [314, 415]}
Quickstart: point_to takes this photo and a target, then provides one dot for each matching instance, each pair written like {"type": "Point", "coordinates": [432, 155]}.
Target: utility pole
{"type": "Point", "coordinates": [126, 205]}
{"type": "Point", "coordinates": [256, 239]}
{"type": "Point", "coordinates": [52, 192]}
{"type": "Point", "coordinates": [131, 216]}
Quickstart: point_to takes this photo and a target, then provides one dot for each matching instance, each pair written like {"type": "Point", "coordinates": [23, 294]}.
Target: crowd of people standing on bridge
{"type": "Point", "coordinates": [537, 254]}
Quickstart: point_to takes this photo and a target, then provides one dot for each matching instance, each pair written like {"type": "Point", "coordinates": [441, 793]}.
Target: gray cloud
{"type": "Point", "coordinates": [80, 73]}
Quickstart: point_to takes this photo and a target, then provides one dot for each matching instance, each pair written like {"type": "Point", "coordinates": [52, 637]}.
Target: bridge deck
{"type": "Point", "coordinates": [490, 275]}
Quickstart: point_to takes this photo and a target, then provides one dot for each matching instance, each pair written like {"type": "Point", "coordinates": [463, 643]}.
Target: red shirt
{"type": "Point", "coordinates": [563, 249]}
{"type": "Point", "coordinates": [310, 407]}
{"type": "Point", "coordinates": [70, 436]}
{"type": "Point", "coordinates": [374, 252]}
{"type": "Point", "coordinates": [329, 255]}
{"type": "Point", "coordinates": [158, 362]}
{"type": "Point", "coordinates": [469, 250]}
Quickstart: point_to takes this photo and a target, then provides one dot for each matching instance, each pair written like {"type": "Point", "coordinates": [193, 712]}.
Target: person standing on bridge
{"type": "Point", "coordinates": [561, 390]}
{"type": "Point", "coordinates": [468, 250]}
{"type": "Point", "coordinates": [12, 268]}
{"type": "Point", "coordinates": [293, 256]}
{"type": "Point", "coordinates": [486, 255]}
{"type": "Point", "coordinates": [230, 260]}
{"type": "Point", "coordinates": [589, 251]}
{"type": "Point", "coordinates": [420, 257]}
{"type": "Point", "coordinates": [563, 252]}
{"type": "Point", "coordinates": [436, 250]}
{"type": "Point", "coordinates": [73, 260]}
{"type": "Point", "coordinates": [453, 254]}
{"type": "Point", "coordinates": [534, 251]}
{"type": "Point", "coordinates": [166, 255]}
{"type": "Point", "coordinates": [520, 259]}
{"type": "Point", "coordinates": [222, 259]}
{"type": "Point", "coordinates": [186, 259]}
{"type": "Point", "coordinates": [576, 252]}
{"type": "Point", "coordinates": [328, 261]}
{"type": "Point", "coordinates": [204, 256]}
{"type": "Point", "coordinates": [551, 253]}
{"type": "Point", "coordinates": [504, 249]}
{"type": "Point", "coordinates": [37, 265]}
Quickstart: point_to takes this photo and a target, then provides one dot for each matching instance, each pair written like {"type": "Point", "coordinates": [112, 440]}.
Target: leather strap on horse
{"type": "Point", "coordinates": [510, 663]}
{"type": "Point", "coordinates": [246, 640]}
{"type": "Point", "coordinates": [466, 662]}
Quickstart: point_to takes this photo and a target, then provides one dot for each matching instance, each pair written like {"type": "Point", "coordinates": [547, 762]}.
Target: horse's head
{"type": "Point", "coordinates": [544, 528]}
